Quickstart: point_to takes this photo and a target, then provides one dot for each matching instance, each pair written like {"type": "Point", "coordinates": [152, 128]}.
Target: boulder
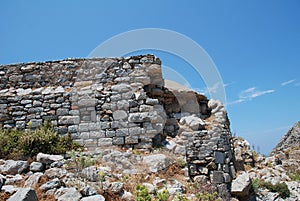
{"type": "Point", "coordinates": [14, 167]}
{"type": "Point", "coordinates": [33, 180]}
{"type": "Point", "coordinates": [88, 191]}
{"type": "Point", "coordinates": [194, 122]}
{"type": "Point", "coordinates": [47, 159]}
{"type": "Point", "coordinates": [55, 173]}
{"type": "Point", "coordinates": [24, 194]}
{"type": "Point", "coordinates": [10, 189]}
{"type": "Point", "coordinates": [36, 167]}
{"type": "Point", "coordinates": [241, 186]}
{"type": "Point", "coordinates": [54, 183]}
{"type": "Point", "coordinates": [156, 162]}
{"type": "Point", "coordinates": [67, 194]}
{"type": "Point", "coordinates": [90, 173]}
{"type": "Point", "coordinates": [12, 180]}
{"type": "Point", "coordinates": [116, 187]}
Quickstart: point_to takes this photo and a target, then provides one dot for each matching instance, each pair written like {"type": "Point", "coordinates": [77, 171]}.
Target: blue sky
{"type": "Point", "coordinates": [255, 45]}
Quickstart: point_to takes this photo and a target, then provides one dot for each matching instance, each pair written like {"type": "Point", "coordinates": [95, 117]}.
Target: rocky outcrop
{"type": "Point", "coordinates": [291, 138]}
{"type": "Point", "coordinates": [279, 170]}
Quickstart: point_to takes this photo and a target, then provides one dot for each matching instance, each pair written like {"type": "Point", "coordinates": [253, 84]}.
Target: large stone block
{"type": "Point", "coordinates": [219, 157]}
{"type": "Point", "coordinates": [217, 177]}
{"type": "Point", "coordinates": [120, 114]}
{"type": "Point", "coordinates": [68, 120]}
{"type": "Point", "coordinates": [118, 140]}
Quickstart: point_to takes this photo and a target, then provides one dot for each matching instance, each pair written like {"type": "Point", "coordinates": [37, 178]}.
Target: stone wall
{"type": "Point", "coordinates": [119, 101]}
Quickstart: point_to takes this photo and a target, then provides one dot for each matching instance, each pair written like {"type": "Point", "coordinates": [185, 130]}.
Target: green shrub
{"type": "Point", "coordinates": [142, 193]}
{"type": "Point", "coordinates": [179, 197]}
{"type": "Point", "coordinates": [281, 188]}
{"type": "Point", "coordinates": [17, 144]}
{"type": "Point", "coordinates": [206, 196]}
{"type": "Point", "coordinates": [180, 162]}
{"type": "Point", "coordinates": [9, 143]}
{"type": "Point", "coordinates": [295, 176]}
{"type": "Point", "coordinates": [163, 195]}
{"type": "Point", "coordinates": [80, 161]}
{"type": "Point", "coordinates": [255, 184]}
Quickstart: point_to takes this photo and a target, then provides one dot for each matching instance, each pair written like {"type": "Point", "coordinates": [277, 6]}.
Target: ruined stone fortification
{"type": "Point", "coordinates": [123, 102]}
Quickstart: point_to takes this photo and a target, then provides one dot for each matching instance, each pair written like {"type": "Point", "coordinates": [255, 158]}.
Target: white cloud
{"type": "Point", "coordinates": [212, 89]}
{"type": "Point", "coordinates": [287, 82]}
{"type": "Point", "coordinates": [249, 94]}
{"type": "Point", "coordinates": [252, 92]}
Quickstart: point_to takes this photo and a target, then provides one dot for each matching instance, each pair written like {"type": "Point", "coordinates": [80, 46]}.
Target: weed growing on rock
{"type": "Point", "coordinates": [206, 196]}
{"type": "Point", "coordinates": [281, 188]}
{"type": "Point", "coordinates": [295, 176]}
{"type": "Point", "coordinates": [163, 195]}
{"type": "Point", "coordinates": [142, 193]}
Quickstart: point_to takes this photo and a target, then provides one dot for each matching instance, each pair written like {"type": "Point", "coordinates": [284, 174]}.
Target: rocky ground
{"type": "Point", "coordinates": [254, 168]}
{"type": "Point", "coordinates": [114, 174]}
{"type": "Point", "coordinates": [125, 174]}
{"type": "Point", "coordinates": [88, 176]}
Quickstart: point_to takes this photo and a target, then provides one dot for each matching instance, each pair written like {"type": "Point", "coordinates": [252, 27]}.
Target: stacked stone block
{"type": "Point", "coordinates": [118, 101]}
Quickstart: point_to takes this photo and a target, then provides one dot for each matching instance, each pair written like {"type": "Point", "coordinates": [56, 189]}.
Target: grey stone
{"type": "Point", "coordinates": [2, 181]}
{"type": "Point", "coordinates": [138, 117]}
{"type": "Point", "coordinates": [195, 123]}
{"type": "Point", "coordinates": [68, 120]}
{"type": "Point", "coordinates": [23, 92]}
{"type": "Point", "coordinates": [116, 187]}
{"type": "Point", "coordinates": [121, 88]}
{"type": "Point", "coordinates": [14, 179]}
{"type": "Point", "coordinates": [36, 167]}
{"type": "Point", "coordinates": [93, 198]}
{"type": "Point", "coordinates": [83, 127]}
{"type": "Point", "coordinates": [14, 167]}
{"type": "Point", "coordinates": [48, 159]}
{"type": "Point", "coordinates": [110, 133]}
{"type": "Point", "coordinates": [55, 172]}
{"type": "Point", "coordinates": [33, 180]}
{"type": "Point", "coordinates": [88, 191]}
{"type": "Point", "coordinates": [62, 111]}
{"type": "Point", "coordinates": [120, 114]}
{"type": "Point", "coordinates": [122, 132]}
{"type": "Point", "coordinates": [219, 157]}
{"type": "Point", "coordinates": [241, 185]}
{"type": "Point", "coordinates": [87, 102]}
{"type": "Point", "coordinates": [90, 173]}
{"type": "Point", "coordinates": [24, 194]}
{"type": "Point", "coordinates": [105, 142]}
{"type": "Point", "coordinates": [217, 177]}
{"type": "Point", "coordinates": [131, 140]}
{"type": "Point", "coordinates": [67, 194]}
{"type": "Point", "coordinates": [73, 128]}
{"type": "Point", "coordinates": [54, 183]}
{"type": "Point", "coordinates": [25, 102]}
{"type": "Point", "coordinates": [156, 162]}
{"type": "Point", "coordinates": [57, 164]}
{"type": "Point", "coordinates": [118, 140]}
{"type": "Point", "coordinates": [9, 189]}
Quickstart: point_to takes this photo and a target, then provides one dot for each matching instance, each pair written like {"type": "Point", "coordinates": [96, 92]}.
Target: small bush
{"type": "Point", "coordinates": [295, 176]}
{"type": "Point", "coordinates": [164, 195]}
{"type": "Point", "coordinates": [142, 193]}
{"type": "Point", "coordinates": [180, 162]}
{"type": "Point", "coordinates": [281, 188]}
{"type": "Point", "coordinates": [206, 196]}
{"type": "Point", "coordinates": [17, 144]}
